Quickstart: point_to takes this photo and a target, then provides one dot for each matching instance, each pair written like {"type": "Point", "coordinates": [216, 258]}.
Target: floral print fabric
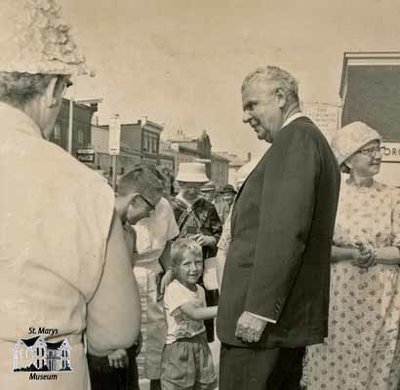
{"type": "Point", "coordinates": [362, 350]}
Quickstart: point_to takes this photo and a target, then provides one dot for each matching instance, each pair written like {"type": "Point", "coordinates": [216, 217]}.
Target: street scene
{"type": "Point", "coordinates": [200, 195]}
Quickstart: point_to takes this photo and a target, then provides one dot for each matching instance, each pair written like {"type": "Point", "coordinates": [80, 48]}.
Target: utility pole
{"type": "Point", "coordinates": [114, 141]}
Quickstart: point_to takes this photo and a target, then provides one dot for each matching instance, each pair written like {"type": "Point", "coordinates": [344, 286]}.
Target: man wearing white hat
{"type": "Point", "coordinates": [198, 219]}
{"type": "Point", "coordinates": [64, 264]}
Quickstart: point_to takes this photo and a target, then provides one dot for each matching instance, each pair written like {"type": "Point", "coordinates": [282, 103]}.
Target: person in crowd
{"type": "Point", "coordinates": [197, 218]}
{"type": "Point", "coordinates": [228, 194]}
{"type": "Point", "coordinates": [223, 243]}
{"type": "Point", "coordinates": [275, 287]}
{"type": "Point", "coordinates": [152, 257]}
{"type": "Point", "coordinates": [362, 350]}
{"type": "Point", "coordinates": [63, 262]}
{"type": "Point", "coordinates": [209, 191]}
{"type": "Point", "coordinates": [225, 201]}
{"type": "Point", "coordinates": [187, 361]}
{"type": "Point", "coordinates": [139, 194]}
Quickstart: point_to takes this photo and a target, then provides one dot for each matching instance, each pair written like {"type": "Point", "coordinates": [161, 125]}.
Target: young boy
{"type": "Point", "coordinates": [187, 361]}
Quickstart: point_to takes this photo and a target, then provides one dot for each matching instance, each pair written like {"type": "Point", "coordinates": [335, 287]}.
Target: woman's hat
{"type": "Point", "coordinates": [34, 39]}
{"type": "Point", "coordinates": [351, 138]}
{"type": "Point", "coordinates": [192, 172]}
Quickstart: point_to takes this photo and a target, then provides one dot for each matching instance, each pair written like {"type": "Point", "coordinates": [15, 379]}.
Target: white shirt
{"type": "Point", "coordinates": [55, 218]}
{"type": "Point", "coordinates": [153, 232]}
{"type": "Point", "coordinates": [179, 324]}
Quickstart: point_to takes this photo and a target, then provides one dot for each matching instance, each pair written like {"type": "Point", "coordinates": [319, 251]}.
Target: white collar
{"type": "Point", "coordinates": [291, 118]}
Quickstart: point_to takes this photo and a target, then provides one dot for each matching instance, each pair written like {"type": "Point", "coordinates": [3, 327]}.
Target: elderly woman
{"type": "Point", "coordinates": [198, 219]}
{"type": "Point", "coordinates": [63, 262]}
{"type": "Point", "coordinates": [362, 348]}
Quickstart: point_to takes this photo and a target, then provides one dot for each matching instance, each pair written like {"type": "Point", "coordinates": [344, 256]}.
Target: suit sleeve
{"type": "Point", "coordinates": [286, 212]}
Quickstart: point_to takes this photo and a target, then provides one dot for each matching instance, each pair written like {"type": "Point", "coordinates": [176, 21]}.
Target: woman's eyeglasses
{"type": "Point", "coordinates": [370, 151]}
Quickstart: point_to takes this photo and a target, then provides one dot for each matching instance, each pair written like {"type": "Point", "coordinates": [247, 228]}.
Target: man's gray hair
{"type": "Point", "coordinates": [275, 75]}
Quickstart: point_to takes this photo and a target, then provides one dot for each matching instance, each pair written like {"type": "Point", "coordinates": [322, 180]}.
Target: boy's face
{"type": "Point", "coordinates": [190, 269]}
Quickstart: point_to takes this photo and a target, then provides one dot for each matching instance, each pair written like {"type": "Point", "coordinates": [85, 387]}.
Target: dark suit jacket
{"type": "Point", "coordinates": [278, 263]}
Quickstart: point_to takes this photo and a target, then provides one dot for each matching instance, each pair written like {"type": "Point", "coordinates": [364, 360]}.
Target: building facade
{"type": "Point", "coordinates": [139, 143]}
{"type": "Point", "coordinates": [82, 115]}
{"type": "Point", "coordinates": [35, 354]}
{"type": "Point", "coordinates": [191, 149]}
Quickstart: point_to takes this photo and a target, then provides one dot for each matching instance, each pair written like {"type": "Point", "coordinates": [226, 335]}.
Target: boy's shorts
{"type": "Point", "coordinates": [187, 364]}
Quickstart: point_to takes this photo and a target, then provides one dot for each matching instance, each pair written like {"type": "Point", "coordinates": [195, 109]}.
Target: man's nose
{"type": "Point", "coordinates": [246, 116]}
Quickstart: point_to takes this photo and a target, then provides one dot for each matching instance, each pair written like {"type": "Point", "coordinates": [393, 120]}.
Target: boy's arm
{"type": "Point", "coordinates": [199, 313]}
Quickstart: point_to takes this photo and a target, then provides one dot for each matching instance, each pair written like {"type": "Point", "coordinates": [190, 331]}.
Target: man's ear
{"type": "Point", "coordinates": [349, 163]}
{"type": "Point", "coordinates": [51, 96]}
{"type": "Point", "coordinates": [280, 96]}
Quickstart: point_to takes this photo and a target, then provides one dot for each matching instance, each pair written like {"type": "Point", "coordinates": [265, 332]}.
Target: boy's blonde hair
{"type": "Point", "coordinates": [182, 245]}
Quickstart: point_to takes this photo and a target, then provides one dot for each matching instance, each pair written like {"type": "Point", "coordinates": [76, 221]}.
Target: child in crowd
{"type": "Point", "coordinates": [187, 360]}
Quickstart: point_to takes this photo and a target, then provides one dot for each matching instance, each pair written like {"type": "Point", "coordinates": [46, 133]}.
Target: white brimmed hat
{"type": "Point", "coordinates": [192, 172]}
{"type": "Point", "coordinates": [351, 138]}
{"type": "Point", "coordinates": [34, 39]}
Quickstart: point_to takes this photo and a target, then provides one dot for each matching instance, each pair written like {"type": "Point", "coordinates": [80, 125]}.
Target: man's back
{"type": "Point", "coordinates": [55, 220]}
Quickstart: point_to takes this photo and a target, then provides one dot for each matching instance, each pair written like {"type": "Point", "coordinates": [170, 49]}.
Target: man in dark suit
{"type": "Point", "coordinates": [275, 289]}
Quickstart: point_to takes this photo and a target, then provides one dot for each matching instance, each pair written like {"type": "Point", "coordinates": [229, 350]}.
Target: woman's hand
{"type": "Point", "coordinates": [203, 240]}
{"type": "Point", "coordinates": [365, 256]}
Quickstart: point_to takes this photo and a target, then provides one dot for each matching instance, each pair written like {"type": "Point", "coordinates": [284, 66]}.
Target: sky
{"type": "Point", "coordinates": [181, 62]}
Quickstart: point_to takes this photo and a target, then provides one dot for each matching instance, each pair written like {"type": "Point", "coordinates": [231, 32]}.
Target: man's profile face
{"type": "Point", "coordinates": [262, 109]}
{"type": "Point", "coordinates": [138, 209]}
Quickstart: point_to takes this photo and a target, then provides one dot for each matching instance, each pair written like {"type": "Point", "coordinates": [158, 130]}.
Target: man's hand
{"type": "Point", "coordinates": [118, 359]}
{"type": "Point", "coordinates": [249, 328]}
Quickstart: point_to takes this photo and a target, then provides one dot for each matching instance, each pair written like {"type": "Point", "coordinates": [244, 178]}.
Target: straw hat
{"type": "Point", "coordinates": [192, 172]}
{"type": "Point", "coordinates": [351, 138]}
{"type": "Point", "coordinates": [34, 39]}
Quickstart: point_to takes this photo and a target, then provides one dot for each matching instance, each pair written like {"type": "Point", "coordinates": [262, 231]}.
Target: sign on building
{"type": "Point", "coordinates": [324, 115]}
{"type": "Point", "coordinates": [114, 136]}
{"type": "Point", "coordinates": [390, 152]}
